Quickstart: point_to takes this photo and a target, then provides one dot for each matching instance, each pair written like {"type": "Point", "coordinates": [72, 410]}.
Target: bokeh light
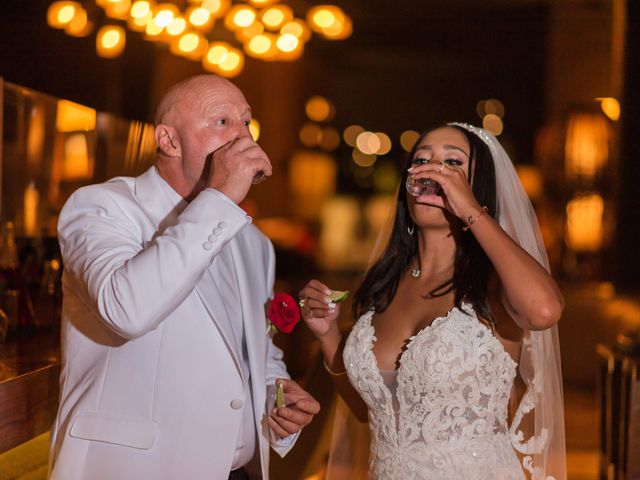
{"type": "Point", "coordinates": [310, 134]}
{"type": "Point", "coordinates": [319, 109]}
{"type": "Point", "coordinates": [350, 134]}
{"type": "Point", "coordinates": [611, 108]}
{"type": "Point", "coordinates": [408, 139]}
{"type": "Point", "coordinates": [363, 159]}
{"type": "Point", "coordinates": [493, 123]}
{"type": "Point", "coordinates": [368, 143]}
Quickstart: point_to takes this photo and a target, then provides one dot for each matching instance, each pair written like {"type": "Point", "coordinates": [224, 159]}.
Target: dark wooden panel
{"type": "Point", "coordinates": [28, 405]}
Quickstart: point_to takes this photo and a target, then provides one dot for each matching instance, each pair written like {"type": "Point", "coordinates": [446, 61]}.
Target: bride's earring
{"type": "Point", "coordinates": [410, 229]}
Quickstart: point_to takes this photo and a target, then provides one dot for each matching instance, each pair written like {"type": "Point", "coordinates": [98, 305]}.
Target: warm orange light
{"type": "Point", "coordinates": [298, 28]}
{"type": "Point", "coordinates": [240, 16]}
{"type": "Point", "coordinates": [350, 134]}
{"type": "Point", "coordinates": [216, 54]}
{"type": "Point", "coordinates": [319, 109]}
{"type": "Point", "coordinates": [118, 9]}
{"type": "Point", "coordinates": [233, 63]}
{"type": "Point", "coordinates": [164, 15]}
{"type": "Point", "coordinates": [321, 17]}
{"type": "Point", "coordinates": [310, 135]}
{"type": "Point", "coordinates": [586, 145]}
{"type": "Point", "coordinates": [368, 143]}
{"type": "Point", "coordinates": [611, 108]}
{"type": "Point", "coordinates": [59, 14]}
{"type": "Point", "coordinates": [584, 223]}
{"type": "Point", "coordinates": [254, 128]}
{"type": "Point", "coordinates": [200, 17]}
{"type": "Point", "coordinates": [494, 107]}
{"type": "Point", "coordinates": [493, 123]}
{"type": "Point", "coordinates": [140, 15]}
{"type": "Point", "coordinates": [312, 175]}
{"type": "Point", "coordinates": [247, 33]}
{"type": "Point", "coordinates": [73, 117]}
{"type": "Point", "coordinates": [262, 46]}
{"type": "Point", "coordinates": [31, 198]}
{"type": "Point", "coordinates": [217, 8]}
{"type": "Point", "coordinates": [341, 29]}
{"type": "Point", "coordinates": [276, 16]}
{"type": "Point", "coordinates": [363, 159]}
{"type": "Point", "coordinates": [287, 42]}
{"type": "Point", "coordinates": [330, 139]}
{"type": "Point", "coordinates": [408, 139]}
{"type": "Point", "coordinates": [79, 26]}
{"type": "Point", "coordinates": [110, 41]}
{"type": "Point", "coordinates": [385, 143]}
{"type": "Point", "coordinates": [222, 59]}
{"type": "Point", "coordinates": [262, 3]}
{"type": "Point", "coordinates": [190, 45]}
{"type": "Point", "coordinates": [153, 30]}
{"type": "Point", "coordinates": [330, 21]}
{"type": "Point", "coordinates": [140, 9]}
{"type": "Point", "coordinates": [177, 26]}
{"type": "Point", "coordinates": [531, 180]}
{"type": "Point", "coordinates": [76, 158]}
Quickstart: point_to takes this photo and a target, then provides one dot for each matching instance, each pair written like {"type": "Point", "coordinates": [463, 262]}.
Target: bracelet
{"type": "Point", "coordinates": [331, 372]}
{"type": "Point", "coordinates": [471, 221]}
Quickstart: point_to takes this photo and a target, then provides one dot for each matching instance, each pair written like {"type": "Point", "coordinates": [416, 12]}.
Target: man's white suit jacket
{"type": "Point", "coordinates": [151, 383]}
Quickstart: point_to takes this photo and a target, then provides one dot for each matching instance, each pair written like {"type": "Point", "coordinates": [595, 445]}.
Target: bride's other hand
{"type": "Point", "coordinates": [318, 311]}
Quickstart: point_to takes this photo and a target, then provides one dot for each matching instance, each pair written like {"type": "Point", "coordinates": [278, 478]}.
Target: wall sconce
{"type": "Point", "coordinates": [587, 166]}
{"type": "Point", "coordinates": [584, 229]}
{"type": "Point", "coordinates": [73, 117]}
{"type": "Point", "coordinates": [77, 164]}
{"type": "Point", "coordinates": [586, 146]}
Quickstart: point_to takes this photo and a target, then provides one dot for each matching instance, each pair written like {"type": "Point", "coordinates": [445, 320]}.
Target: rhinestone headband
{"type": "Point", "coordinates": [479, 132]}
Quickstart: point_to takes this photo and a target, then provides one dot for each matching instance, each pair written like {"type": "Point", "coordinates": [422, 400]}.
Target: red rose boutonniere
{"type": "Point", "coordinates": [283, 314]}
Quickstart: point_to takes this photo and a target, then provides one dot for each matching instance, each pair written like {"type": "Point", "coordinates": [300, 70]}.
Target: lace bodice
{"type": "Point", "coordinates": [453, 388]}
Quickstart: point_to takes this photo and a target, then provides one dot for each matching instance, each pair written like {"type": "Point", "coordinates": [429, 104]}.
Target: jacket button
{"type": "Point", "coordinates": [207, 245]}
{"type": "Point", "coordinates": [222, 224]}
{"type": "Point", "coordinates": [217, 231]}
{"type": "Point", "coordinates": [212, 238]}
{"type": "Point", "coordinates": [236, 404]}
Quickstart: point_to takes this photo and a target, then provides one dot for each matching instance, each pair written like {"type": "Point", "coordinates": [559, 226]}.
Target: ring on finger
{"type": "Point", "coordinates": [302, 302]}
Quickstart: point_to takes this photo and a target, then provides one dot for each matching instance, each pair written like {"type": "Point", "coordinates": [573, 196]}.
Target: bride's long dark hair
{"type": "Point", "coordinates": [472, 267]}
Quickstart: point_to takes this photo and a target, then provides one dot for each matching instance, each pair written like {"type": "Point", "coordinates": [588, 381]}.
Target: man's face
{"type": "Point", "coordinates": [213, 113]}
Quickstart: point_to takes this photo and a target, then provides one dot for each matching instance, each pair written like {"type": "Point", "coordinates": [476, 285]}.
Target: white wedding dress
{"type": "Point", "coordinates": [443, 415]}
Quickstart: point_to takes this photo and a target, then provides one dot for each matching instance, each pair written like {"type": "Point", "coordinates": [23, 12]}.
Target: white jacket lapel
{"type": "Point", "coordinates": [162, 213]}
{"type": "Point", "coordinates": [212, 299]}
{"type": "Point", "coordinates": [252, 301]}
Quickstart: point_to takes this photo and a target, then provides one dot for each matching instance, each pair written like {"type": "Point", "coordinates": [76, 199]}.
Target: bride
{"type": "Point", "coordinates": [454, 359]}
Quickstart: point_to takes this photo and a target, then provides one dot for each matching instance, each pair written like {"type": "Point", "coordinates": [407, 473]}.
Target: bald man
{"type": "Point", "coordinates": [167, 371]}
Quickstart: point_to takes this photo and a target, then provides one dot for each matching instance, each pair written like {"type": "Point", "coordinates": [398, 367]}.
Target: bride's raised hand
{"type": "Point", "coordinates": [457, 196]}
{"type": "Point", "coordinates": [318, 311]}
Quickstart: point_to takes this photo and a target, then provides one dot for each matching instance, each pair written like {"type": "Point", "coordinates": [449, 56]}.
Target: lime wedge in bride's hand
{"type": "Point", "coordinates": [338, 296]}
{"type": "Point", "coordinates": [280, 395]}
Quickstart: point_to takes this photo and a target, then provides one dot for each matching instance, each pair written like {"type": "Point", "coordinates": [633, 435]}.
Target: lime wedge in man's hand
{"type": "Point", "coordinates": [280, 395]}
{"type": "Point", "coordinates": [338, 296]}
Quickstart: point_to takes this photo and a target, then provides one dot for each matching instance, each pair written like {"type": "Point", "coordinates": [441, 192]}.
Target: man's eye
{"type": "Point", "coordinates": [246, 123]}
{"type": "Point", "coordinates": [454, 162]}
{"type": "Point", "coordinates": [222, 121]}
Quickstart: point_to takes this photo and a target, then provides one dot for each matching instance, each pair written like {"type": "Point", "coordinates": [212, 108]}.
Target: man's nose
{"type": "Point", "coordinates": [242, 131]}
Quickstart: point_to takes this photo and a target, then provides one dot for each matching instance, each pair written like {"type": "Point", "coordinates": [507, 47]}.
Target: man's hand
{"type": "Point", "coordinates": [234, 165]}
{"type": "Point", "coordinates": [299, 409]}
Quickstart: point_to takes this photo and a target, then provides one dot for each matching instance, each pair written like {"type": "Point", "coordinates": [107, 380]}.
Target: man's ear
{"type": "Point", "coordinates": [167, 140]}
